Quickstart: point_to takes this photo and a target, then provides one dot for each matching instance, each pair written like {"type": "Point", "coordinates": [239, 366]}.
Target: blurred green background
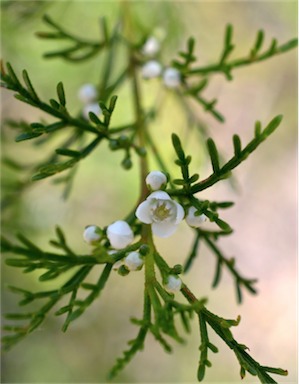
{"type": "Point", "coordinates": [264, 217]}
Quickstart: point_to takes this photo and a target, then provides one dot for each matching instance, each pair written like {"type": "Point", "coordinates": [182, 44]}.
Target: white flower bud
{"type": "Point", "coordinates": [91, 234]}
{"type": "Point", "coordinates": [174, 284]}
{"type": "Point", "coordinates": [156, 180]}
{"type": "Point", "coordinates": [120, 234]}
{"type": "Point", "coordinates": [151, 69]}
{"type": "Point", "coordinates": [133, 261]}
{"type": "Point", "coordinates": [94, 107]}
{"type": "Point", "coordinates": [171, 77]}
{"type": "Point", "coordinates": [151, 46]}
{"type": "Point", "coordinates": [87, 93]}
{"type": "Point", "coordinates": [193, 220]}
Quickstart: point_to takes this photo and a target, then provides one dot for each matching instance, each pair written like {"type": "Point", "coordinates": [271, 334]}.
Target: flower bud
{"type": "Point", "coordinates": [92, 234]}
{"type": "Point", "coordinates": [127, 163]}
{"type": "Point", "coordinates": [144, 249]}
{"type": "Point", "coordinates": [94, 108]}
{"type": "Point", "coordinates": [120, 234]}
{"type": "Point", "coordinates": [133, 261]}
{"type": "Point", "coordinates": [156, 180]}
{"type": "Point", "coordinates": [171, 77]}
{"type": "Point", "coordinates": [177, 269]}
{"type": "Point", "coordinates": [193, 220]}
{"type": "Point", "coordinates": [123, 270]}
{"type": "Point", "coordinates": [173, 284]}
{"type": "Point", "coordinates": [87, 93]}
{"type": "Point", "coordinates": [151, 69]}
{"type": "Point", "coordinates": [151, 46]}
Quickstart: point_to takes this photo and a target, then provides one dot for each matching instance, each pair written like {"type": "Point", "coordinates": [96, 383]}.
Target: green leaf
{"type": "Point", "coordinates": [112, 103]}
{"type": "Point", "coordinates": [27, 136]}
{"type": "Point", "coordinates": [213, 155]}
{"type": "Point", "coordinates": [12, 75]}
{"type": "Point", "coordinates": [237, 145]}
{"type": "Point", "coordinates": [178, 146]}
{"type": "Point", "coordinates": [68, 152]}
{"type": "Point", "coordinates": [271, 127]}
{"type": "Point", "coordinates": [201, 372]}
{"type": "Point", "coordinates": [29, 86]}
{"type": "Point", "coordinates": [54, 104]}
{"type": "Point", "coordinates": [228, 35]}
{"type": "Point", "coordinates": [277, 371]}
{"type": "Point", "coordinates": [61, 93]}
{"type": "Point", "coordinates": [259, 41]}
{"type": "Point", "coordinates": [289, 45]}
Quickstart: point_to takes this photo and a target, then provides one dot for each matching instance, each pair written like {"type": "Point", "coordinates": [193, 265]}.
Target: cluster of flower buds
{"type": "Point", "coordinates": [88, 95]}
{"type": "Point", "coordinates": [118, 233]}
{"type": "Point", "coordinates": [163, 213]}
{"type": "Point", "coordinates": [153, 68]}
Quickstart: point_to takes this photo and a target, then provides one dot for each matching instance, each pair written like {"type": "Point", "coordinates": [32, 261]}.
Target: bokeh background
{"type": "Point", "coordinates": [264, 217]}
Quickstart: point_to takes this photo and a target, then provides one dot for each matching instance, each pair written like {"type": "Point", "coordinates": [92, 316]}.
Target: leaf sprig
{"type": "Point", "coordinates": [79, 49]}
{"type": "Point", "coordinates": [225, 66]}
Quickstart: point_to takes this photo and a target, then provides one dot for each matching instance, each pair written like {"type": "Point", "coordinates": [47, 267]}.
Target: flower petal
{"type": "Point", "coordinates": [180, 213]}
{"type": "Point", "coordinates": [143, 212]}
{"type": "Point", "coordinates": [159, 195]}
{"type": "Point", "coordinates": [163, 229]}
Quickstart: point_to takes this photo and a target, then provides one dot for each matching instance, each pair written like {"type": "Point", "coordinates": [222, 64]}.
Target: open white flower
{"type": "Point", "coordinates": [163, 213]}
{"type": "Point", "coordinates": [155, 180]}
{"type": "Point", "coordinates": [94, 107]}
{"type": "Point", "coordinates": [173, 284]}
{"type": "Point", "coordinates": [120, 234]}
{"type": "Point", "coordinates": [171, 77]}
{"type": "Point", "coordinates": [193, 220]}
{"type": "Point", "coordinates": [151, 46]}
{"type": "Point", "coordinates": [91, 234]}
{"type": "Point", "coordinates": [151, 69]}
{"type": "Point", "coordinates": [133, 261]}
{"type": "Point", "coordinates": [87, 93]}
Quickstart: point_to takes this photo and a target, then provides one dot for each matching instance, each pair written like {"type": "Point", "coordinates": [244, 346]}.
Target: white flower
{"type": "Point", "coordinates": [151, 46]}
{"type": "Point", "coordinates": [151, 69]}
{"type": "Point", "coordinates": [133, 261]}
{"type": "Point", "coordinates": [174, 284]}
{"type": "Point", "coordinates": [94, 107]}
{"type": "Point", "coordinates": [87, 93]}
{"type": "Point", "coordinates": [193, 220]}
{"type": "Point", "coordinates": [120, 234]}
{"type": "Point", "coordinates": [163, 213]}
{"type": "Point", "coordinates": [155, 180]}
{"type": "Point", "coordinates": [171, 77]}
{"type": "Point", "coordinates": [91, 235]}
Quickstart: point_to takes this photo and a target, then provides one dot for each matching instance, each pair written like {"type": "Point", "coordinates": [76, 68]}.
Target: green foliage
{"type": "Point", "coordinates": [161, 311]}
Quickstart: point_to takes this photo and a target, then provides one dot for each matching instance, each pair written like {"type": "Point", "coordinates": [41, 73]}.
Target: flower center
{"type": "Point", "coordinates": [162, 211]}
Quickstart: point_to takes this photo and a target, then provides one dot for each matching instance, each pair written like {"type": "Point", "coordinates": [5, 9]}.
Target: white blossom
{"type": "Point", "coordinates": [151, 69]}
{"type": "Point", "coordinates": [87, 93]}
{"type": "Point", "coordinates": [133, 261]}
{"type": "Point", "coordinates": [151, 46]}
{"type": "Point", "coordinates": [171, 77]}
{"type": "Point", "coordinates": [120, 234]}
{"type": "Point", "coordinates": [193, 220]}
{"type": "Point", "coordinates": [163, 213]}
{"type": "Point", "coordinates": [156, 180]}
{"type": "Point", "coordinates": [94, 107]}
{"type": "Point", "coordinates": [91, 235]}
{"type": "Point", "coordinates": [173, 284]}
